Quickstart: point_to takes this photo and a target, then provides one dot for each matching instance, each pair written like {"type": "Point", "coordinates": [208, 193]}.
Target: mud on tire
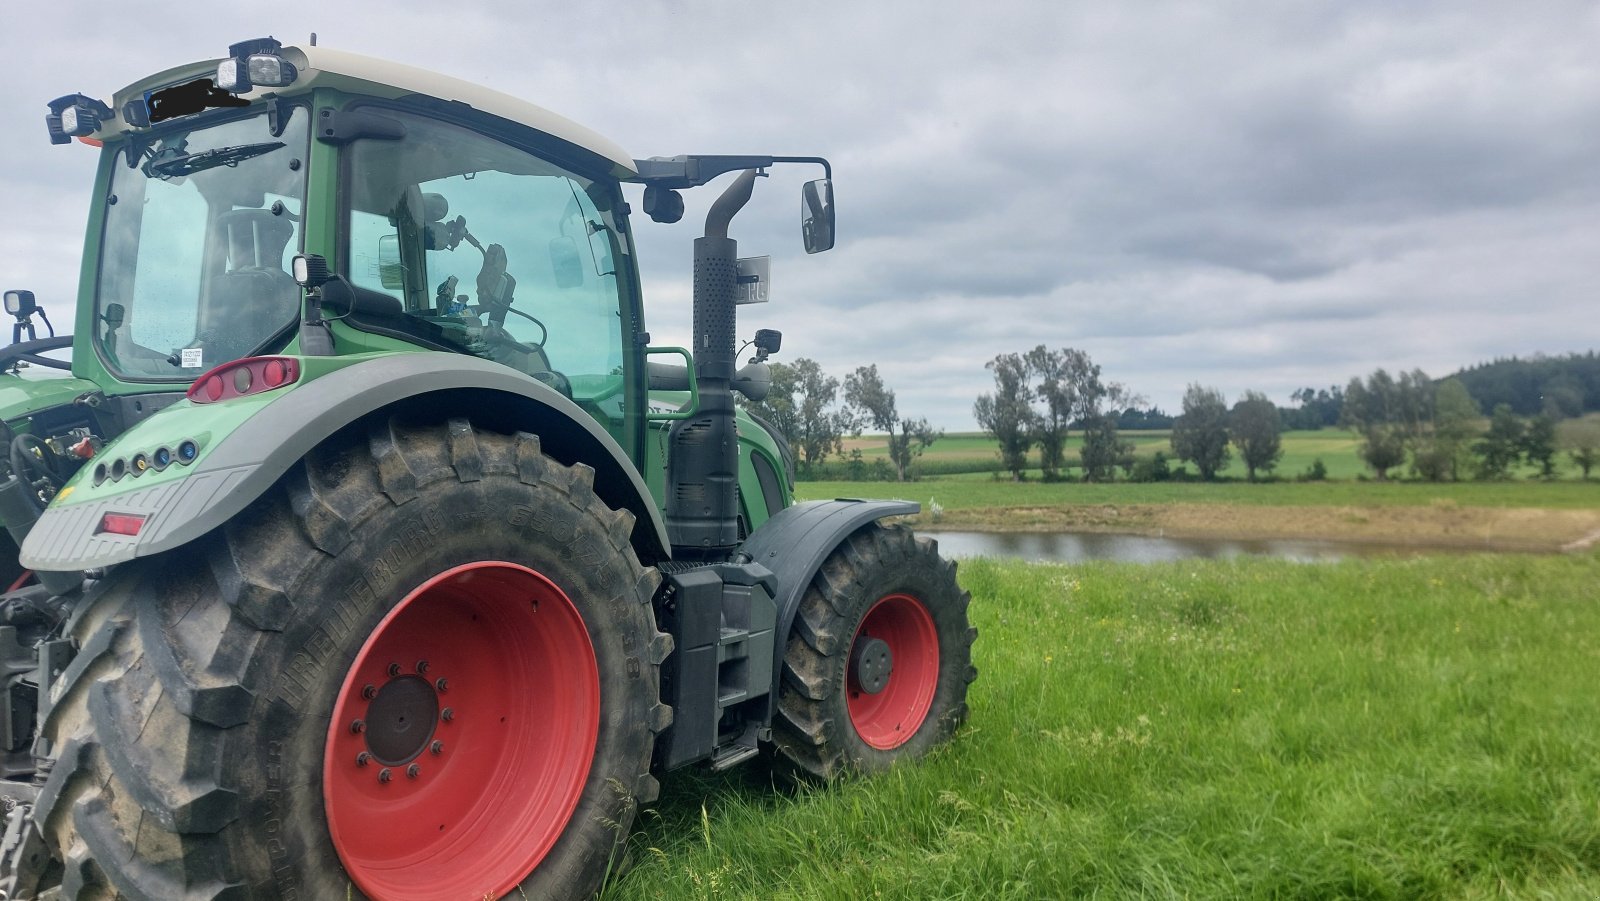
{"type": "Point", "coordinates": [191, 728]}
{"type": "Point", "coordinates": [882, 594]}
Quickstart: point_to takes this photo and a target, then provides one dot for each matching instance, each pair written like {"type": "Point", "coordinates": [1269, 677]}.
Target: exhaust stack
{"type": "Point", "coordinates": [703, 466]}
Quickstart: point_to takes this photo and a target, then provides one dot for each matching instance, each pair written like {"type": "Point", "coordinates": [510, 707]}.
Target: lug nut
{"type": "Point", "coordinates": [413, 771]}
{"type": "Point", "coordinates": [384, 775]}
{"type": "Point", "coordinates": [442, 684]}
{"type": "Point", "coordinates": [394, 669]}
{"type": "Point", "coordinates": [449, 713]}
{"type": "Point", "coordinates": [422, 667]}
{"type": "Point", "coordinates": [358, 727]}
{"type": "Point", "coordinates": [437, 747]}
{"type": "Point", "coordinates": [363, 758]}
{"type": "Point", "coordinates": [370, 692]}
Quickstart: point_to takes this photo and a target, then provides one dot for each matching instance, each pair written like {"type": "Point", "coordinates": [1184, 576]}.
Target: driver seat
{"type": "Point", "coordinates": [254, 297]}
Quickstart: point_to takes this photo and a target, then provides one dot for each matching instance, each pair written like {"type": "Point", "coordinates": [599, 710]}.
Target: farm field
{"type": "Point", "coordinates": [1517, 514]}
{"type": "Point", "coordinates": [1420, 728]}
{"type": "Point", "coordinates": [974, 455]}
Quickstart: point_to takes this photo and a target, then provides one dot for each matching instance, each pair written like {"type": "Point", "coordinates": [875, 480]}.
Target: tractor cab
{"type": "Point", "coordinates": [492, 229]}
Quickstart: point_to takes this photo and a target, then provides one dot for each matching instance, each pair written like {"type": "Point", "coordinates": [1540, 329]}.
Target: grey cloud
{"type": "Point", "coordinates": [1255, 197]}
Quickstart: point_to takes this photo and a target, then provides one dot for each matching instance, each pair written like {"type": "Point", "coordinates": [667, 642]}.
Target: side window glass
{"type": "Point", "coordinates": [494, 251]}
{"type": "Point", "coordinates": [374, 253]}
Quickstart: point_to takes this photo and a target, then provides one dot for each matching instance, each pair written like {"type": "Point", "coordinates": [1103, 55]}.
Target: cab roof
{"type": "Point", "coordinates": [324, 67]}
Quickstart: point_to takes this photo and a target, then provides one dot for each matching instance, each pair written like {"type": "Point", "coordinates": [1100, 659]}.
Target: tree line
{"type": "Point", "coordinates": [807, 407]}
{"type": "Point", "coordinates": [1438, 430]}
{"type": "Point", "coordinates": [1561, 387]}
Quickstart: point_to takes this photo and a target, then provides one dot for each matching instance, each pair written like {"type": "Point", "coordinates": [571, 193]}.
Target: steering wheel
{"type": "Point", "coordinates": [32, 460]}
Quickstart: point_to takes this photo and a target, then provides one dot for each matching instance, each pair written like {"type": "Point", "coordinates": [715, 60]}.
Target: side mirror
{"type": "Point", "coordinates": [21, 304]}
{"type": "Point", "coordinates": [113, 316]}
{"type": "Point", "coordinates": [816, 215]}
{"type": "Point", "coordinates": [391, 272]}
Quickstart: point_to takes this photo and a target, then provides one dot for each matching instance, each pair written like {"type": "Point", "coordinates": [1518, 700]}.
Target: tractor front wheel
{"type": "Point", "coordinates": [879, 658]}
{"type": "Point", "coordinates": [422, 666]}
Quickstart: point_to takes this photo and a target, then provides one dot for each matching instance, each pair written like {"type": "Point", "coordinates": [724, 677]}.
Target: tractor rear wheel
{"type": "Point", "coordinates": [422, 666]}
{"type": "Point", "coordinates": [879, 658]}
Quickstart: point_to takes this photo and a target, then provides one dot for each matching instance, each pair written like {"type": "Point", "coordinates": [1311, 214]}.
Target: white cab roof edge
{"type": "Point", "coordinates": [382, 78]}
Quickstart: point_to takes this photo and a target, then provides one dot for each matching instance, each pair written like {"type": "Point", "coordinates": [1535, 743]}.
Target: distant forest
{"type": "Point", "coordinates": [1564, 387]}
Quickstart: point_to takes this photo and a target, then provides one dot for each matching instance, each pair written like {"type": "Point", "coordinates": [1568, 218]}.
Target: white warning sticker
{"type": "Point", "coordinates": [192, 358]}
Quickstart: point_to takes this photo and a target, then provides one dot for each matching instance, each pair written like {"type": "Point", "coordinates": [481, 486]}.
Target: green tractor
{"type": "Point", "coordinates": [366, 545]}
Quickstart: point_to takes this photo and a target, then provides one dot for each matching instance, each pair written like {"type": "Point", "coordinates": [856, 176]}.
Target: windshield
{"type": "Point", "coordinates": [200, 227]}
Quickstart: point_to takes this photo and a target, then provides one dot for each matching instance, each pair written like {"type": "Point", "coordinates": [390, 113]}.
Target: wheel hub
{"type": "Point", "coordinates": [871, 662]}
{"type": "Point", "coordinates": [400, 721]}
{"type": "Point", "coordinates": [430, 801]}
{"type": "Point", "coordinates": [893, 671]}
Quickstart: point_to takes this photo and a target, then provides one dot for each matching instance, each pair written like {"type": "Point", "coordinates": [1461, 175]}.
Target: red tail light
{"type": "Point", "coordinates": [120, 524]}
{"type": "Point", "coordinates": [252, 375]}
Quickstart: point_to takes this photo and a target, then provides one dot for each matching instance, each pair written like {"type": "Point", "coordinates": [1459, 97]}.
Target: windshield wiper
{"type": "Point", "coordinates": [165, 165]}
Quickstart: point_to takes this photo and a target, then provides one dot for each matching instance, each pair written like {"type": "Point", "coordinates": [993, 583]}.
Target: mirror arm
{"type": "Point", "coordinates": [827, 168]}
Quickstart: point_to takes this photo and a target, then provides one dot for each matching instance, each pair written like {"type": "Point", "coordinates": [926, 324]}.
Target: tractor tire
{"type": "Point", "coordinates": [422, 666]}
{"type": "Point", "coordinates": [879, 659]}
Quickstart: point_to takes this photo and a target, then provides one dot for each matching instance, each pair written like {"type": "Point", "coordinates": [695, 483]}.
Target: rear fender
{"type": "Point", "coordinates": [238, 467]}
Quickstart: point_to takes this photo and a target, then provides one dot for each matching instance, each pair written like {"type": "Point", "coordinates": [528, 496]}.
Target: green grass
{"type": "Point", "coordinates": [975, 455]}
{"type": "Point", "coordinates": [1421, 728]}
{"type": "Point", "coordinates": [955, 494]}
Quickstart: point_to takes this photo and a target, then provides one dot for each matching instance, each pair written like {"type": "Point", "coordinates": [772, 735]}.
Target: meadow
{"type": "Point", "coordinates": [1380, 728]}
{"type": "Point", "coordinates": [974, 455]}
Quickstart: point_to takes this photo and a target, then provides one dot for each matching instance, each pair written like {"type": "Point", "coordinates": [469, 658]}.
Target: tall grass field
{"type": "Point", "coordinates": [1417, 728]}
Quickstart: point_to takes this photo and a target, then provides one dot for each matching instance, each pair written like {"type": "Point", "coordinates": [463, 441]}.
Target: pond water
{"type": "Point", "coordinates": [1079, 547]}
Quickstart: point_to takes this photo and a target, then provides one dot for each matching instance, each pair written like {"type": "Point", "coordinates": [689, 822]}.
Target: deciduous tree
{"type": "Point", "coordinates": [1255, 429]}
{"type": "Point", "coordinates": [1007, 414]}
{"type": "Point", "coordinates": [1070, 391]}
{"type": "Point", "coordinates": [873, 403]}
{"type": "Point", "coordinates": [1389, 415]}
{"type": "Point", "coordinates": [1103, 451]}
{"type": "Point", "coordinates": [1501, 448]}
{"type": "Point", "coordinates": [1538, 444]}
{"type": "Point", "coordinates": [800, 406]}
{"type": "Point", "coordinates": [1200, 435]}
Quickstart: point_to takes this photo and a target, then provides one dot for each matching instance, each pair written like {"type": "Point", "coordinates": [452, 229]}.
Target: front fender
{"type": "Point", "coordinates": [795, 542]}
{"type": "Point", "coordinates": [237, 467]}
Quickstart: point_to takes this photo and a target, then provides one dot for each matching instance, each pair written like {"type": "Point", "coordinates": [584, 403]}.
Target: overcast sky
{"type": "Point", "coordinates": [1246, 195]}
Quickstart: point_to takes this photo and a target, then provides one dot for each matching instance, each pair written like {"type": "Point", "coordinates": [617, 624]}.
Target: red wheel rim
{"type": "Point", "coordinates": [485, 768]}
{"type": "Point", "coordinates": [889, 718]}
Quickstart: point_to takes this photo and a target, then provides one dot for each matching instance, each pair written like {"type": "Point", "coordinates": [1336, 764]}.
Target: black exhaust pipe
{"type": "Point", "coordinates": [703, 466]}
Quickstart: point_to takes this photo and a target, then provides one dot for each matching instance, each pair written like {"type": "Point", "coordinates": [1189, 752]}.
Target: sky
{"type": "Point", "coordinates": [1248, 196]}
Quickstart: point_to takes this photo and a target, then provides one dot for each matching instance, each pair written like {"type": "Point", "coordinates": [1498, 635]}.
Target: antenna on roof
{"type": "Point", "coordinates": [313, 39]}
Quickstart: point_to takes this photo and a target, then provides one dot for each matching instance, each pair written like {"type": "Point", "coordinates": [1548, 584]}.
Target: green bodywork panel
{"type": "Point", "coordinates": [205, 424]}
{"type": "Point", "coordinates": [20, 397]}
{"type": "Point", "coordinates": [753, 441]}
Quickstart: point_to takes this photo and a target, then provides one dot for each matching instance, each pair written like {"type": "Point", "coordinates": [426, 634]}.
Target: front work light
{"type": "Point", "coordinates": [255, 64]}
{"type": "Point", "coordinates": [75, 116]}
